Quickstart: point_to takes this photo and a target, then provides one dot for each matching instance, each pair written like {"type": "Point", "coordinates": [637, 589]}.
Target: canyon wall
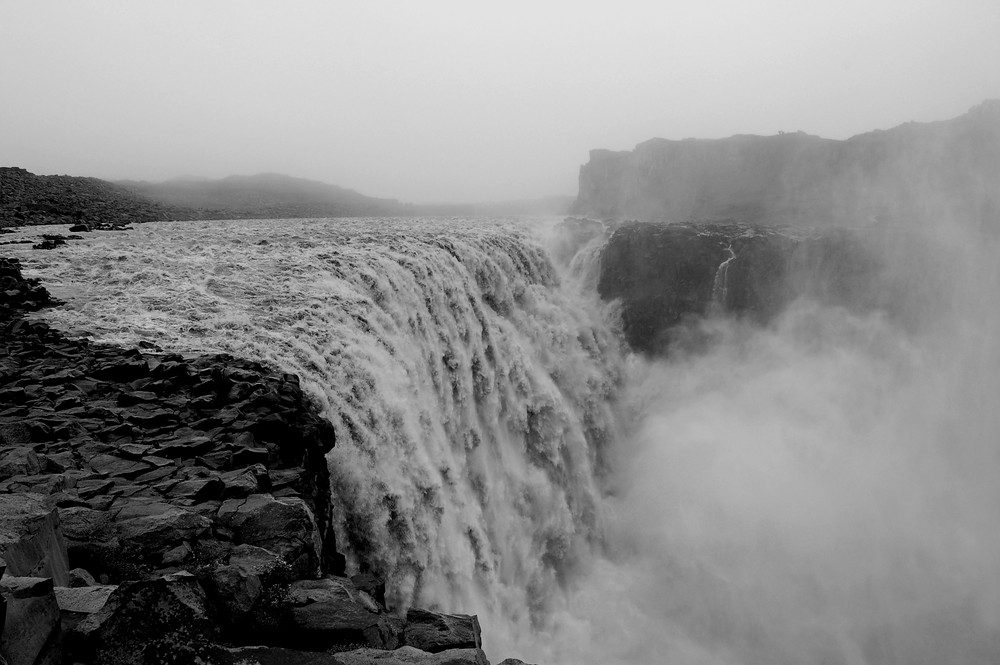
{"type": "Point", "coordinates": [916, 173]}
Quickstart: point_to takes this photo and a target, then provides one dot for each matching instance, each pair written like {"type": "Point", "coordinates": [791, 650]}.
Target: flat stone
{"type": "Point", "coordinates": [200, 489]}
{"type": "Point", "coordinates": [112, 465]}
{"type": "Point", "coordinates": [83, 599]}
{"type": "Point", "coordinates": [186, 448]}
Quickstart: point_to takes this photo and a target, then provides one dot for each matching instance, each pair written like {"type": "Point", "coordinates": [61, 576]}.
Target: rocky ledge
{"type": "Point", "coordinates": [158, 508]}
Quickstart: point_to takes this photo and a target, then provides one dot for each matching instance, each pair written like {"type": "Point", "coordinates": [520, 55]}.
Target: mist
{"type": "Point", "coordinates": [819, 489]}
{"type": "Point", "coordinates": [448, 102]}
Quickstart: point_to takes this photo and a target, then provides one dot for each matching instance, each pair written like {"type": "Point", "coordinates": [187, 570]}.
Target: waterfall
{"type": "Point", "coordinates": [720, 286]}
{"type": "Point", "coordinates": [820, 489]}
{"type": "Point", "coordinates": [470, 381]}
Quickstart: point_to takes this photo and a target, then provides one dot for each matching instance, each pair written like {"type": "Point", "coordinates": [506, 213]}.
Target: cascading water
{"type": "Point", "coordinates": [720, 286]}
{"type": "Point", "coordinates": [821, 490]}
{"type": "Point", "coordinates": [471, 390]}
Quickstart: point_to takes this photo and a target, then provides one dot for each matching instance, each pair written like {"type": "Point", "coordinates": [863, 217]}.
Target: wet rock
{"type": "Point", "coordinates": [434, 632]}
{"type": "Point", "coordinates": [371, 584]}
{"type": "Point", "coordinates": [328, 612]}
{"type": "Point", "coordinates": [285, 526]}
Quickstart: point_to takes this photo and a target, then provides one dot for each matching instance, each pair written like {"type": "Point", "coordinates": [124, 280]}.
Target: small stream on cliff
{"type": "Point", "coordinates": [820, 490]}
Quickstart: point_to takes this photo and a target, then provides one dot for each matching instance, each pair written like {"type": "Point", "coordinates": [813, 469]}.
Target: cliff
{"type": "Point", "coordinates": [666, 275]}
{"type": "Point", "coordinates": [917, 173]}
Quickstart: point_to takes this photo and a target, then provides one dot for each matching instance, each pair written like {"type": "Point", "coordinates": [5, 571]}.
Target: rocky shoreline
{"type": "Point", "coordinates": [159, 508]}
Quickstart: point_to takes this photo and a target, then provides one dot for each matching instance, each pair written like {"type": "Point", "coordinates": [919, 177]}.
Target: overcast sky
{"type": "Point", "coordinates": [465, 100]}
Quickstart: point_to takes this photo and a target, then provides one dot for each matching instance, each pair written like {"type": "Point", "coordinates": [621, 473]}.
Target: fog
{"type": "Point", "coordinates": [452, 101]}
{"type": "Point", "coordinates": [820, 489]}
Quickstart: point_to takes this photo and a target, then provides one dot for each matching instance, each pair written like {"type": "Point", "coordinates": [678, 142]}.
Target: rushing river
{"type": "Point", "coordinates": [822, 490]}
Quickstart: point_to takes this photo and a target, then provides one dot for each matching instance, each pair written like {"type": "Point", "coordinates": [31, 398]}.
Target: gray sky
{"type": "Point", "coordinates": [462, 101]}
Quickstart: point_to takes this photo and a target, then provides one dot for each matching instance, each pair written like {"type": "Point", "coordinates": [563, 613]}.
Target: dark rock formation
{"type": "Point", "coordinates": [919, 174]}
{"type": "Point", "coordinates": [26, 198]}
{"type": "Point", "coordinates": [665, 274]}
{"type": "Point", "coordinates": [32, 632]}
{"type": "Point", "coordinates": [433, 632]}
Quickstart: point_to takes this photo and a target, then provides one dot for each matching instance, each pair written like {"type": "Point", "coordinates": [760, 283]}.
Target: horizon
{"type": "Point", "coordinates": [446, 103]}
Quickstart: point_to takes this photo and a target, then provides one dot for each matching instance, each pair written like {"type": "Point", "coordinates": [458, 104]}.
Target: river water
{"type": "Point", "coordinates": [820, 490]}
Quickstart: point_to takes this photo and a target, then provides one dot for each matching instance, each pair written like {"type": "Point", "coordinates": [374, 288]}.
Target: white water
{"type": "Point", "coordinates": [720, 285]}
{"type": "Point", "coordinates": [824, 490]}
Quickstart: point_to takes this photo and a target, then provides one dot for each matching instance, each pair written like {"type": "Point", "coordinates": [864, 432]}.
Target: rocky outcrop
{"type": "Point", "coordinates": [667, 274]}
{"type": "Point", "coordinates": [919, 174]}
{"type": "Point", "coordinates": [26, 198]}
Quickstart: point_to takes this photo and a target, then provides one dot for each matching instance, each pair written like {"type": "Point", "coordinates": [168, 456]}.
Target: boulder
{"type": "Point", "coordinates": [325, 613]}
{"type": "Point", "coordinates": [18, 461]}
{"type": "Point", "coordinates": [285, 526]}
{"type": "Point", "coordinates": [78, 603]}
{"type": "Point", "coordinates": [433, 632]}
{"type": "Point", "coordinates": [159, 621]}
{"type": "Point", "coordinates": [32, 631]}
{"type": "Point", "coordinates": [31, 539]}
{"type": "Point", "coordinates": [411, 656]}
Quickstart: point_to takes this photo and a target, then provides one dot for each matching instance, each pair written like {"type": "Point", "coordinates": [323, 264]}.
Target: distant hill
{"type": "Point", "coordinates": [264, 196]}
{"type": "Point", "coordinates": [917, 173]}
{"type": "Point", "coordinates": [26, 198]}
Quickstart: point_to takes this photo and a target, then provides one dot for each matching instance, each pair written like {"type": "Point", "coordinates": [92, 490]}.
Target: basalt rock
{"type": "Point", "coordinates": [666, 275]}
{"type": "Point", "coordinates": [434, 632]}
{"type": "Point", "coordinates": [32, 631]}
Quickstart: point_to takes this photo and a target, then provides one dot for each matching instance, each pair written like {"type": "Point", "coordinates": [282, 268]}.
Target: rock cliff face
{"type": "Point", "coordinates": [665, 274]}
{"type": "Point", "coordinates": [918, 173]}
